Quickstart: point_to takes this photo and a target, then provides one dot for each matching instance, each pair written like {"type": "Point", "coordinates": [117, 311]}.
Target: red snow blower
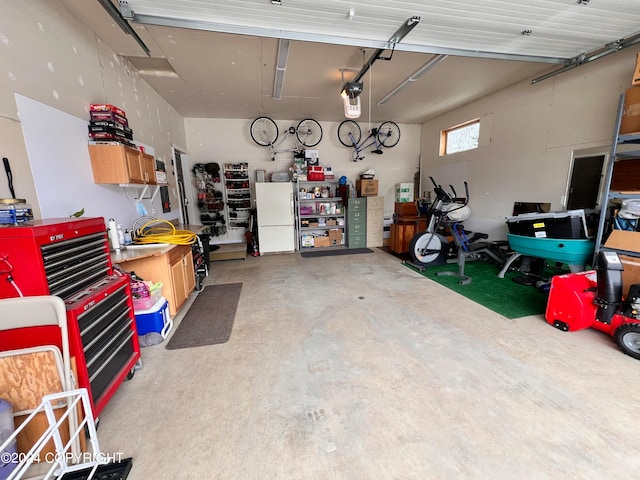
{"type": "Point", "coordinates": [594, 299]}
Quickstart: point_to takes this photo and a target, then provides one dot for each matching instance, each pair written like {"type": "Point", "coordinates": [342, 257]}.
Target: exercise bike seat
{"type": "Point", "coordinates": [477, 236]}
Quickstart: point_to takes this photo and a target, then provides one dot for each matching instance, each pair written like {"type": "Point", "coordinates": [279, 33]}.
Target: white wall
{"type": "Point", "coordinates": [533, 131]}
{"type": "Point", "coordinates": [47, 56]}
{"type": "Point", "coordinates": [229, 141]}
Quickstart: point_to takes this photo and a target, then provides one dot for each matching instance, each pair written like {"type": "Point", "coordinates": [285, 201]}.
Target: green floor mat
{"type": "Point", "coordinates": [502, 295]}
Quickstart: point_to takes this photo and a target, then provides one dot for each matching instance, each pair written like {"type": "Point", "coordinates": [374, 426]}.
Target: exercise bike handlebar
{"type": "Point", "coordinates": [441, 193]}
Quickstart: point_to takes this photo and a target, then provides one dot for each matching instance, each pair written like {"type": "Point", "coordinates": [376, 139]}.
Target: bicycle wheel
{"type": "Point", "coordinates": [309, 132]}
{"type": "Point", "coordinates": [349, 133]}
{"type": "Point", "coordinates": [264, 131]}
{"type": "Point", "coordinates": [388, 134]}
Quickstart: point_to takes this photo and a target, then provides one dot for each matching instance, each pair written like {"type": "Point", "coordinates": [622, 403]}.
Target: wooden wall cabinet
{"type": "Point", "coordinates": [122, 165]}
{"type": "Point", "coordinates": [174, 269]}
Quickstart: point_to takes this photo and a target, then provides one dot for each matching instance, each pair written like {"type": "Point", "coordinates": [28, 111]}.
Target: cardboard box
{"type": "Point", "coordinates": [626, 176]}
{"type": "Point", "coordinates": [629, 241]}
{"type": "Point", "coordinates": [367, 188]}
{"type": "Point", "coordinates": [321, 242]}
{"type": "Point", "coordinates": [335, 237]}
{"type": "Point", "coordinates": [404, 192]}
{"type": "Point", "coordinates": [636, 72]}
{"type": "Point", "coordinates": [631, 111]}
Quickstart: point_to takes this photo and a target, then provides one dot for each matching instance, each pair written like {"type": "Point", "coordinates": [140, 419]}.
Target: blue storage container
{"type": "Point", "coordinates": [155, 319]}
{"type": "Point", "coordinates": [571, 252]}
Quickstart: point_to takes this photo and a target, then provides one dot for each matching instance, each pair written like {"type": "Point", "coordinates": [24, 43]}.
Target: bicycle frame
{"type": "Point", "coordinates": [273, 148]}
{"type": "Point", "coordinates": [264, 131]}
{"type": "Point", "coordinates": [363, 145]}
{"type": "Point", "coordinates": [386, 135]}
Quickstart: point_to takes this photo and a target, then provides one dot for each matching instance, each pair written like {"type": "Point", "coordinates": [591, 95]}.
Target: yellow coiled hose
{"type": "Point", "coordinates": [151, 233]}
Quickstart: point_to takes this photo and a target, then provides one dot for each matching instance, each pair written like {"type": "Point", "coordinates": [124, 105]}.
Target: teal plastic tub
{"type": "Point", "coordinates": [571, 252]}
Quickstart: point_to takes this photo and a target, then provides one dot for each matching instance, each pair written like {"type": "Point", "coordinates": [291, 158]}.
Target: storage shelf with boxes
{"type": "Point", "coordinates": [320, 215]}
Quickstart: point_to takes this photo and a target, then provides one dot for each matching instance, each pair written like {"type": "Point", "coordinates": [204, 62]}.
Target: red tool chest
{"type": "Point", "coordinates": [70, 258]}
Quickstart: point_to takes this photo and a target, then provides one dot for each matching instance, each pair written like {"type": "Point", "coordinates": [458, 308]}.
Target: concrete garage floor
{"type": "Point", "coordinates": [353, 367]}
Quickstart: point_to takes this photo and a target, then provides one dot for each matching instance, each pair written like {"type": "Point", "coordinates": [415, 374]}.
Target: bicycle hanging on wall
{"type": "Point", "coordinates": [386, 135]}
{"type": "Point", "coordinates": [264, 132]}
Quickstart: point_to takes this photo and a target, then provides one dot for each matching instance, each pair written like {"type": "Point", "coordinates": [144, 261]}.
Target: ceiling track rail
{"type": "Point", "coordinates": [208, 26]}
{"type": "Point", "coordinates": [398, 35]}
{"type": "Point", "coordinates": [123, 24]}
{"type": "Point", "coordinates": [588, 57]}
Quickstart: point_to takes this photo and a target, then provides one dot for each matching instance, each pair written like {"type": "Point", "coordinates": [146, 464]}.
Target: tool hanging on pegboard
{"type": "Point", "coordinates": [7, 169]}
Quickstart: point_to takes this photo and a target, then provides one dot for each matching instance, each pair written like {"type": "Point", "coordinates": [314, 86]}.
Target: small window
{"type": "Point", "coordinates": [460, 138]}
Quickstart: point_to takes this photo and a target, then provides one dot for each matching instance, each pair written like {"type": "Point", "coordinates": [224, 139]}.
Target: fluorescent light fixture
{"type": "Point", "coordinates": [433, 61]}
{"type": "Point", "coordinates": [281, 67]}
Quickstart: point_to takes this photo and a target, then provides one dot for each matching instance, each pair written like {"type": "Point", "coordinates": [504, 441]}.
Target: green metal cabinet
{"type": "Point", "coordinates": [357, 222]}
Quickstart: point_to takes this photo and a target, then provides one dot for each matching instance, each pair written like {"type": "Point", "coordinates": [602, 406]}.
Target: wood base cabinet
{"type": "Point", "coordinates": [401, 235]}
{"type": "Point", "coordinates": [183, 279]}
{"type": "Point", "coordinates": [174, 269]}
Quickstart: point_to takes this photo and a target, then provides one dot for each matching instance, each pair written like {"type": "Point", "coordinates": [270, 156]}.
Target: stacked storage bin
{"type": "Point", "coordinates": [560, 236]}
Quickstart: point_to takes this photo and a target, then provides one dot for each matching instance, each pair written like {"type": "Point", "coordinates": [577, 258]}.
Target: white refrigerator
{"type": "Point", "coordinates": [276, 221]}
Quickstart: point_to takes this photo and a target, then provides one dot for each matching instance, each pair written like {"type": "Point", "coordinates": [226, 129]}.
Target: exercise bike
{"type": "Point", "coordinates": [430, 247]}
